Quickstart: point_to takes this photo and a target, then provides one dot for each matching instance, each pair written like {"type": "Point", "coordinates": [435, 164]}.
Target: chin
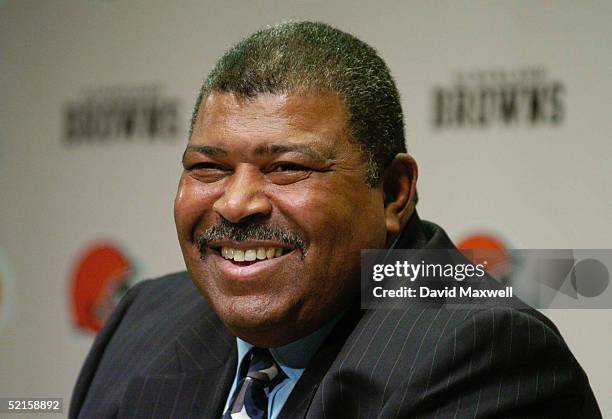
{"type": "Point", "coordinates": [249, 317]}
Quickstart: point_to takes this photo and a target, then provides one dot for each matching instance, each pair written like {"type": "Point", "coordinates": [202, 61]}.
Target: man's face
{"type": "Point", "coordinates": [276, 179]}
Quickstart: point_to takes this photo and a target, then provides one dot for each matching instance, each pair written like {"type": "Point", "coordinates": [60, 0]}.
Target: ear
{"type": "Point", "coordinates": [399, 187]}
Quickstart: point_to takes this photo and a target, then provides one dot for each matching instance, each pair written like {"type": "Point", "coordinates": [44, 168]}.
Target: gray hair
{"type": "Point", "coordinates": [300, 56]}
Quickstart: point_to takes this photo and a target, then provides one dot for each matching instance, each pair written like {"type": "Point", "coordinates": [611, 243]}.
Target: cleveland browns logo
{"type": "Point", "coordinates": [101, 276]}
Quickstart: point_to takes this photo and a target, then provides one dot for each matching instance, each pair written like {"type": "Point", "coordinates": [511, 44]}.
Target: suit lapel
{"type": "Point", "coordinates": [209, 381]}
{"type": "Point", "coordinates": [416, 234]}
{"type": "Point", "coordinates": [195, 383]}
{"type": "Point", "coordinates": [304, 391]}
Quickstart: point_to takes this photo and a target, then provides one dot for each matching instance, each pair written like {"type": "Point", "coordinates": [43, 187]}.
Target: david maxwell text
{"type": "Point", "coordinates": [446, 292]}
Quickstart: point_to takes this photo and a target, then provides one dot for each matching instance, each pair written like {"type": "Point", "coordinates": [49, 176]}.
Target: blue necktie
{"type": "Point", "coordinates": [250, 400]}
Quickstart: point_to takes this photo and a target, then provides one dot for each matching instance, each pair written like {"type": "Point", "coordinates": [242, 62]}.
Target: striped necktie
{"type": "Point", "coordinates": [250, 399]}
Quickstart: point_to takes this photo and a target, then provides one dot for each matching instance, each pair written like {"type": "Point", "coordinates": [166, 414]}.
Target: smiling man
{"type": "Point", "coordinates": [272, 212]}
{"type": "Point", "coordinates": [296, 161]}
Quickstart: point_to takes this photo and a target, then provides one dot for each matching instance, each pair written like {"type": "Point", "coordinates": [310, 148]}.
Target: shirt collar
{"type": "Point", "coordinates": [293, 357]}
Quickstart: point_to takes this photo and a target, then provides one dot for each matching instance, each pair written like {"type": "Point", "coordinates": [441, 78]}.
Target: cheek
{"type": "Point", "coordinates": [333, 216]}
{"type": "Point", "coordinates": [193, 200]}
{"type": "Point", "coordinates": [338, 224]}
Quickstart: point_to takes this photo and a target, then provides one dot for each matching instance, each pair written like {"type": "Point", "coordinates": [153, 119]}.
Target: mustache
{"type": "Point", "coordinates": [250, 231]}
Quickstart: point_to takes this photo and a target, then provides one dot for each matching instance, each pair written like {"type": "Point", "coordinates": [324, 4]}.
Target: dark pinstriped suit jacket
{"type": "Point", "coordinates": [165, 354]}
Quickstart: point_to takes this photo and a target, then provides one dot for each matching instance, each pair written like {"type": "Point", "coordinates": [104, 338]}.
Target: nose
{"type": "Point", "coordinates": [243, 198]}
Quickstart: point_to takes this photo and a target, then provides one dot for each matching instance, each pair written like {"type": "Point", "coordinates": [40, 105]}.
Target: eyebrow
{"type": "Point", "coordinates": [289, 147]}
{"type": "Point", "coordinates": [204, 149]}
{"type": "Point", "coordinates": [262, 150]}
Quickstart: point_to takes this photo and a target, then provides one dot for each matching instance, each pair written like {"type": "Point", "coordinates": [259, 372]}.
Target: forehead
{"type": "Point", "coordinates": [311, 117]}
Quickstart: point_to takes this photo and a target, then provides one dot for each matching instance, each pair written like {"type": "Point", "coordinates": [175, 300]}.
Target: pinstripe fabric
{"type": "Point", "coordinates": [164, 353]}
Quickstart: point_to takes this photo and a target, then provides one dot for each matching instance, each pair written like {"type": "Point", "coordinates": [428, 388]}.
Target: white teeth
{"type": "Point", "coordinates": [249, 255]}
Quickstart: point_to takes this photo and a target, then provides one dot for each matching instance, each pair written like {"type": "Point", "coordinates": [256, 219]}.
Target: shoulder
{"type": "Point", "coordinates": [151, 307]}
{"type": "Point", "coordinates": [500, 360]}
{"type": "Point", "coordinates": [492, 360]}
{"type": "Point", "coordinates": [159, 293]}
{"type": "Point", "coordinates": [171, 286]}
{"type": "Point", "coordinates": [137, 339]}
{"type": "Point", "coordinates": [153, 300]}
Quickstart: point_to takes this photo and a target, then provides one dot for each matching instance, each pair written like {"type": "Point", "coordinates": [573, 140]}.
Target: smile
{"type": "Point", "coordinates": [252, 254]}
{"type": "Point", "coordinates": [248, 260]}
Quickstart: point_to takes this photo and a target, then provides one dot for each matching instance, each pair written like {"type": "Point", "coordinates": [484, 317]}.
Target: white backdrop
{"type": "Point", "coordinates": [544, 185]}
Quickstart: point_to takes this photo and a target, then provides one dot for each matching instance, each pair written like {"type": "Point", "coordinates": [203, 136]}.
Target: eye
{"type": "Point", "coordinates": [207, 166]}
{"type": "Point", "coordinates": [208, 172]}
{"type": "Point", "coordinates": [290, 167]}
{"type": "Point", "coordinates": [285, 173]}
